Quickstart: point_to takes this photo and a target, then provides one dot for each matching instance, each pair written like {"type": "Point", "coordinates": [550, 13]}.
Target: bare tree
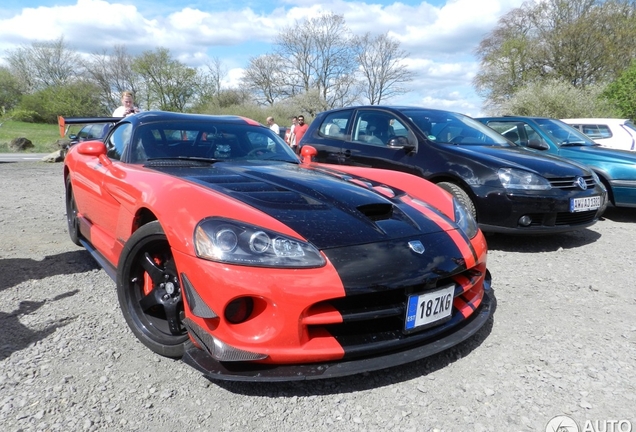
{"type": "Point", "coordinates": [44, 64]}
{"type": "Point", "coordinates": [382, 66]}
{"type": "Point", "coordinates": [318, 53]}
{"type": "Point", "coordinates": [113, 73]}
{"type": "Point", "coordinates": [265, 78]}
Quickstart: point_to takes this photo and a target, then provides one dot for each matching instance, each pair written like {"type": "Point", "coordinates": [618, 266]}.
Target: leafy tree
{"type": "Point", "coordinates": [382, 66]}
{"type": "Point", "coordinates": [622, 93]}
{"type": "Point", "coordinates": [558, 99]}
{"type": "Point", "coordinates": [168, 84]}
{"type": "Point", "coordinates": [76, 99]}
{"type": "Point", "coordinates": [10, 92]}
{"type": "Point", "coordinates": [567, 40]}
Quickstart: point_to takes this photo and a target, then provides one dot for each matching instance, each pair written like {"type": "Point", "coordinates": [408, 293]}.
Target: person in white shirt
{"type": "Point", "coordinates": [272, 125]}
{"type": "Point", "coordinates": [127, 105]}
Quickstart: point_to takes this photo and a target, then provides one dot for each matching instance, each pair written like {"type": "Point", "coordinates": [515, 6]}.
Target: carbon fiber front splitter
{"type": "Point", "coordinates": [246, 371]}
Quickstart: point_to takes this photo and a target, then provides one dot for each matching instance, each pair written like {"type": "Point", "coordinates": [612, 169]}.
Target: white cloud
{"type": "Point", "coordinates": [440, 40]}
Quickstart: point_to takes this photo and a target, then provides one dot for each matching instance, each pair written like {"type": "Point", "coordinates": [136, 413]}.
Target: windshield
{"type": "Point", "coordinates": [208, 140]}
{"type": "Point", "coordinates": [449, 127]}
{"type": "Point", "coordinates": [563, 134]}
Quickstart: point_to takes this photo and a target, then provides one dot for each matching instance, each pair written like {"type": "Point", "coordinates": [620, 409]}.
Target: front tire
{"type": "Point", "coordinates": [149, 292]}
{"type": "Point", "coordinates": [460, 195]}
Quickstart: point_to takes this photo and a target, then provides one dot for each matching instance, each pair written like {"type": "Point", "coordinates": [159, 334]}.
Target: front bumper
{"type": "Point", "coordinates": [258, 372]}
{"type": "Point", "coordinates": [500, 212]}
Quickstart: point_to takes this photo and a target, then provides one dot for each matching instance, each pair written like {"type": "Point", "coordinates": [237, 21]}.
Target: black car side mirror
{"type": "Point", "coordinates": [538, 144]}
{"type": "Point", "coordinates": [400, 141]}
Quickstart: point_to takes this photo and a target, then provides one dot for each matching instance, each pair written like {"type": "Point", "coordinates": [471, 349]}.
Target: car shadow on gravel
{"type": "Point", "coordinates": [17, 336]}
{"type": "Point", "coordinates": [542, 243]}
{"type": "Point", "coordinates": [14, 271]}
{"type": "Point", "coordinates": [367, 380]}
{"type": "Point", "coordinates": [620, 214]}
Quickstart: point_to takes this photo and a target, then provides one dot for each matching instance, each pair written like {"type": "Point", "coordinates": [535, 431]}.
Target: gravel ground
{"type": "Point", "coordinates": [562, 342]}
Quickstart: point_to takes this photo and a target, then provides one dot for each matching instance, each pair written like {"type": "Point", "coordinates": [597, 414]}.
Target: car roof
{"type": "Point", "coordinates": [391, 108]}
{"type": "Point", "coordinates": [158, 116]}
{"type": "Point", "coordinates": [595, 120]}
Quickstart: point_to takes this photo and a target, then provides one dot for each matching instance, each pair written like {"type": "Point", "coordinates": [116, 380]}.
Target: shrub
{"type": "Point", "coordinates": [26, 116]}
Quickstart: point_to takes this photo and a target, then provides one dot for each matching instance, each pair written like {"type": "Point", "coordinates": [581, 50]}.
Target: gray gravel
{"type": "Point", "coordinates": [562, 342]}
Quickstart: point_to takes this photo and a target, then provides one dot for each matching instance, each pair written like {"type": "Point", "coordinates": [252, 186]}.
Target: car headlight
{"type": "Point", "coordinates": [235, 242]}
{"type": "Point", "coordinates": [519, 179]}
{"type": "Point", "coordinates": [464, 219]}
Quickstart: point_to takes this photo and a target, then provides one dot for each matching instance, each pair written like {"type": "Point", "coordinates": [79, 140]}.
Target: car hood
{"type": "Point", "coordinates": [594, 155]}
{"type": "Point", "coordinates": [329, 210]}
{"type": "Point", "coordinates": [523, 158]}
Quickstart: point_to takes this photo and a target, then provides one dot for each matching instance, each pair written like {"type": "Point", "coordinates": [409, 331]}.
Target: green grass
{"type": "Point", "coordinates": [43, 136]}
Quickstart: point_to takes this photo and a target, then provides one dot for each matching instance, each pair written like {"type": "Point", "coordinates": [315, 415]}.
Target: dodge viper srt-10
{"type": "Point", "coordinates": [250, 264]}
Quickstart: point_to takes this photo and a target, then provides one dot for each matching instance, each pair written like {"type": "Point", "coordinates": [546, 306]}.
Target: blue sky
{"type": "Point", "coordinates": [439, 36]}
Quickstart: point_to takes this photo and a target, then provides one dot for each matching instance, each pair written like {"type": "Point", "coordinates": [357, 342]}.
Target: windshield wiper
{"type": "Point", "coordinates": [179, 161]}
{"type": "Point", "coordinates": [574, 143]}
{"type": "Point", "coordinates": [184, 158]}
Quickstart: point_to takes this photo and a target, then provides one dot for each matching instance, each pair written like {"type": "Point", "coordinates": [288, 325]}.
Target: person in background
{"type": "Point", "coordinates": [290, 136]}
{"type": "Point", "coordinates": [299, 131]}
{"type": "Point", "coordinates": [272, 125]}
{"type": "Point", "coordinates": [127, 105]}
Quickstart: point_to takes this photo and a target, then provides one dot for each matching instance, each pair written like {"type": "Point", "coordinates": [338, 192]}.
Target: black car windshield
{"type": "Point", "coordinates": [210, 140]}
{"type": "Point", "coordinates": [562, 134]}
{"type": "Point", "coordinates": [449, 127]}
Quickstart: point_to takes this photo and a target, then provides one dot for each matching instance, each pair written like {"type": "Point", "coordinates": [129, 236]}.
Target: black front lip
{"type": "Point", "coordinates": [256, 372]}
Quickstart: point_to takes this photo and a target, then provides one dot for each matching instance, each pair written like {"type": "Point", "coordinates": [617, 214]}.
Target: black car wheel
{"type": "Point", "coordinates": [461, 196]}
{"type": "Point", "coordinates": [149, 292]}
{"type": "Point", "coordinates": [71, 213]}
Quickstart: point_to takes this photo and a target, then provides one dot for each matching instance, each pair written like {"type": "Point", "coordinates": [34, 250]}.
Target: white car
{"type": "Point", "coordinates": [608, 132]}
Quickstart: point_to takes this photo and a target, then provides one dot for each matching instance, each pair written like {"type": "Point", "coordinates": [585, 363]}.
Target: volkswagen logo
{"type": "Point", "coordinates": [417, 246]}
{"type": "Point", "coordinates": [580, 182]}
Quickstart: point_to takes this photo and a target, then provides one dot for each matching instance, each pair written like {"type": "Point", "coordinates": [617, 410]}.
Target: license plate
{"type": "Point", "coordinates": [584, 204]}
{"type": "Point", "coordinates": [425, 309]}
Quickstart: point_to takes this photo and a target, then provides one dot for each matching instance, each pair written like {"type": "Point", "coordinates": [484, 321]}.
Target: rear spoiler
{"type": "Point", "coordinates": [65, 122]}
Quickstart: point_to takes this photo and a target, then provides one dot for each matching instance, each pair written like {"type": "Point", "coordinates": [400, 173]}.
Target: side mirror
{"type": "Point", "coordinates": [401, 142]}
{"type": "Point", "coordinates": [307, 152]}
{"type": "Point", "coordinates": [538, 144]}
{"type": "Point", "coordinates": [91, 148]}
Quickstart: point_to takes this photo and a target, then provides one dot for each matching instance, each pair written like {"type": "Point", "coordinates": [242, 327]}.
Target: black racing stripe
{"type": "Point", "coordinates": [327, 210]}
{"type": "Point", "coordinates": [393, 265]}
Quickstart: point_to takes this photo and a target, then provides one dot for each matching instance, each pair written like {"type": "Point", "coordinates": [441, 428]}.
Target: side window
{"type": "Point", "coordinates": [118, 141]}
{"type": "Point", "coordinates": [373, 127]}
{"type": "Point", "coordinates": [335, 124]}
{"type": "Point", "coordinates": [604, 131]}
{"type": "Point", "coordinates": [83, 134]}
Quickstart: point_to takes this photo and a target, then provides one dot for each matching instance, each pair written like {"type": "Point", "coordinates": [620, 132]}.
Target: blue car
{"type": "Point", "coordinates": [615, 168]}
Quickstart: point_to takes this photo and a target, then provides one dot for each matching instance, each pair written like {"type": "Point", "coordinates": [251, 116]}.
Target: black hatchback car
{"type": "Point", "coordinates": [509, 188]}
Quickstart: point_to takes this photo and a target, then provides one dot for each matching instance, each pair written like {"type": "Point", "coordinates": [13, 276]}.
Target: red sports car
{"type": "Point", "coordinates": [231, 253]}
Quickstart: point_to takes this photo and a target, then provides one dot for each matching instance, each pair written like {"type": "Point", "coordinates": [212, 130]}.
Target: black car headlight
{"type": "Point", "coordinates": [518, 179]}
{"type": "Point", "coordinates": [235, 242]}
{"type": "Point", "coordinates": [464, 219]}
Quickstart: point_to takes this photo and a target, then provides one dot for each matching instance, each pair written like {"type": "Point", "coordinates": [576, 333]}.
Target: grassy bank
{"type": "Point", "coordinates": [43, 136]}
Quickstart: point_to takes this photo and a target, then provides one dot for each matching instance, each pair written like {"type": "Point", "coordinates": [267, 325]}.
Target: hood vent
{"type": "Point", "coordinates": [377, 212]}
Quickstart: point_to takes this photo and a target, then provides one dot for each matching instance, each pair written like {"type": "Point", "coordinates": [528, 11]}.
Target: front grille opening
{"type": "Point", "coordinates": [377, 212]}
